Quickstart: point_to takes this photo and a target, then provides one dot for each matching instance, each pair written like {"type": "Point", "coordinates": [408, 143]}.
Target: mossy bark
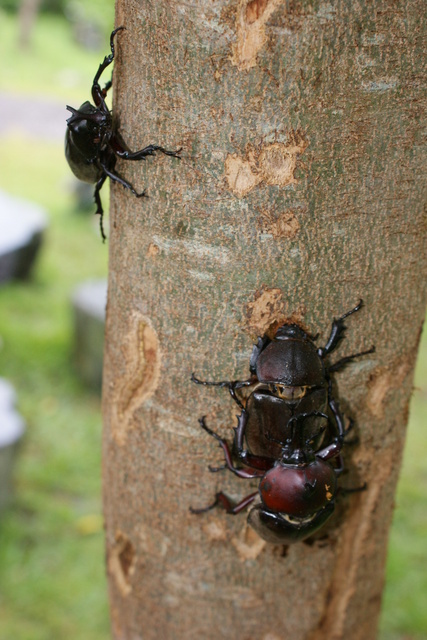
{"type": "Point", "coordinates": [300, 190]}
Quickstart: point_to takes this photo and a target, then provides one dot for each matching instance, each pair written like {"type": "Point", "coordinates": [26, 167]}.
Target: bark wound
{"type": "Point", "coordinates": [215, 530]}
{"type": "Point", "coordinates": [274, 164]}
{"type": "Point", "coordinates": [285, 225]}
{"type": "Point", "coordinates": [248, 544]}
{"type": "Point", "coordinates": [268, 311]}
{"type": "Point", "coordinates": [141, 354]}
{"type": "Point", "coordinates": [251, 18]}
{"type": "Point", "coordinates": [121, 562]}
{"type": "Point", "coordinates": [385, 380]}
{"type": "Point", "coordinates": [153, 250]}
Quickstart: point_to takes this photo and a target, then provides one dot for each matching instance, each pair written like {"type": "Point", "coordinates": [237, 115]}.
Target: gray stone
{"type": "Point", "coordinates": [22, 225]}
{"type": "Point", "coordinates": [12, 428]}
{"type": "Point", "coordinates": [89, 302]}
{"type": "Point", "coordinates": [7, 394]}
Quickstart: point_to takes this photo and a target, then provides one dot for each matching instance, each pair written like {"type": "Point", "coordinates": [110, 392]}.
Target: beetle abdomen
{"type": "Point", "coordinates": [269, 417]}
{"type": "Point", "coordinates": [79, 165]}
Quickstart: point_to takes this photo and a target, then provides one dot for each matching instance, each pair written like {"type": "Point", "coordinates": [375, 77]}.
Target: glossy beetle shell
{"type": "Point", "coordinates": [268, 421]}
{"type": "Point", "coordinates": [298, 491]}
{"type": "Point", "coordinates": [289, 435]}
{"type": "Point", "coordinates": [278, 528]}
{"type": "Point", "coordinates": [84, 139]}
{"type": "Point", "coordinates": [291, 361]}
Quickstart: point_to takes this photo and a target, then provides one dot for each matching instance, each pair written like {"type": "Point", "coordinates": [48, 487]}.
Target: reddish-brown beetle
{"type": "Point", "coordinates": [290, 433]}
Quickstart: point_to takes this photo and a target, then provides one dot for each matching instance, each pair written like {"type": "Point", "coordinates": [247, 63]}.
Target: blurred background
{"type": "Point", "coordinates": [52, 270]}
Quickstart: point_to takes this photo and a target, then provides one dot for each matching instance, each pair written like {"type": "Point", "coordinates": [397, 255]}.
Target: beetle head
{"type": "Point", "coordinates": [89, 129]}
{"type": "Point", "coordinates": [289, 331]}
{"type": "Point", "coordinates": [298, 448]}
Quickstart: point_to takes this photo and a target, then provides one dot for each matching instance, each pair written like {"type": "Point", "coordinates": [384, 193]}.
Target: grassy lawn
{"type": "Point", "coordinates": [55, 65]}
{"type": "Point", "coordinates": [52, 582]}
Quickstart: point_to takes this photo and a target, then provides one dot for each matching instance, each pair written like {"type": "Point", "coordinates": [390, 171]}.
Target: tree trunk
{"type": "Point", "coordinates": [299, 192]}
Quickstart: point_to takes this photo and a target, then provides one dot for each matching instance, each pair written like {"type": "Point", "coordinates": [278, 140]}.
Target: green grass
{"type": "Point", "coordinates": [55, 65]}
{"type": "Point", "coordinates": [52, 582]}
{"type": "Point", "coordinates": [404, 605]}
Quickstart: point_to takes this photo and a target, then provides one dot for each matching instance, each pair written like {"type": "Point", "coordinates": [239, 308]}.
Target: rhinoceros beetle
{"type": "Point", "coordinates": [92, 145]}
{"type": "Point", "coordinates": [290, 433]}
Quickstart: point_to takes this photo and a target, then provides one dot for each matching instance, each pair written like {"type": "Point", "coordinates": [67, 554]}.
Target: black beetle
{"type": "Point", "coordinates": [92, 145]}
{"type": "Point", "coordinates": [288, 430]}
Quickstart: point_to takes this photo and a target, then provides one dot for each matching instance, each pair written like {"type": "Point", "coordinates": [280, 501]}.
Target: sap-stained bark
{"type": "Point", "coordinates": [300, 190]}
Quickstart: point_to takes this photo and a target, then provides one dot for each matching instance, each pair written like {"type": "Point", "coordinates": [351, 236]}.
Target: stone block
{"type": "Point", "coordinates": [89, 302]}
{"type": "Point", "coordinates": [12, 428]}
{"type": "Point", "coordinates": [22, 225]}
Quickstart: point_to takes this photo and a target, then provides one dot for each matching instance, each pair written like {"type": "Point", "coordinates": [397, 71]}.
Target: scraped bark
{"type": "Point", "coordinates": [300, 190]}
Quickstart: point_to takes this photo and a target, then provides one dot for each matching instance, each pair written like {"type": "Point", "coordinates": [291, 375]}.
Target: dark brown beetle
{"type": "Point", "coordinates": [289, 430]}
{"type": "Point", "coordinates": [92, 145]}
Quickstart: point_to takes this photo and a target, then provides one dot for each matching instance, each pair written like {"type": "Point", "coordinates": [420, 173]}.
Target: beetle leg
{"type": "Point", "coordinates": [241, 473]}
{"type": "Point", "coordinates": [98, 202]}
{"type": "Point", "coordinates": [343, 361]}
{"type": "Point", "coordinates": [97, 92]}
{"type": "Point", "coordinates": [225, 502]}
{"type": "Point", "coordinates": [345, 490]}
{"type": "Point", "coordinates": [337, 332]}
{"type": "Point", "coordinates": [209, 383]}
{"type": "Point", "coordinates": [355, 439]}
{"type": "Point", "coordinates": [116, 178]}
{"type": "Point", "coordinates": [255, 462]}
{"type": "Point", "coordinates": [239, 434]}
{"type": "Point", "coordinates": [349, 428]}
{"type": "Point", "coordinates": [340, 465]}
{"type": "Point", "coordinates": [231, 385]}
{"type": "Point", "coordinates": [333, 449]}
{"type": "Point", "coordinates": [257, 348]}
{"type": "Point", "coordinates": [107, 87]}
{"type": "Point", "coordinates": [143, 153]}
{"type": "Point", "coordinates": [339, 418]}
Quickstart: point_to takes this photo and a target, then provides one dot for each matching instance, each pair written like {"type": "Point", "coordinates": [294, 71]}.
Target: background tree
{"type": "Point", "coordinates": [27, 16]}
{"type": "Point", "coordinates": [299, 192]}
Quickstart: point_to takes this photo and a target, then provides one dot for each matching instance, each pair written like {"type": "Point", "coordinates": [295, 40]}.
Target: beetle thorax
{"type": "Point", "coordinates": [291, 360]}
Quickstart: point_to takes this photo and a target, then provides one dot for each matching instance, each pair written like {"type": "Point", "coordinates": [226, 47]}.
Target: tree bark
{"type": "Point", "coordinates": [300, 190]}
